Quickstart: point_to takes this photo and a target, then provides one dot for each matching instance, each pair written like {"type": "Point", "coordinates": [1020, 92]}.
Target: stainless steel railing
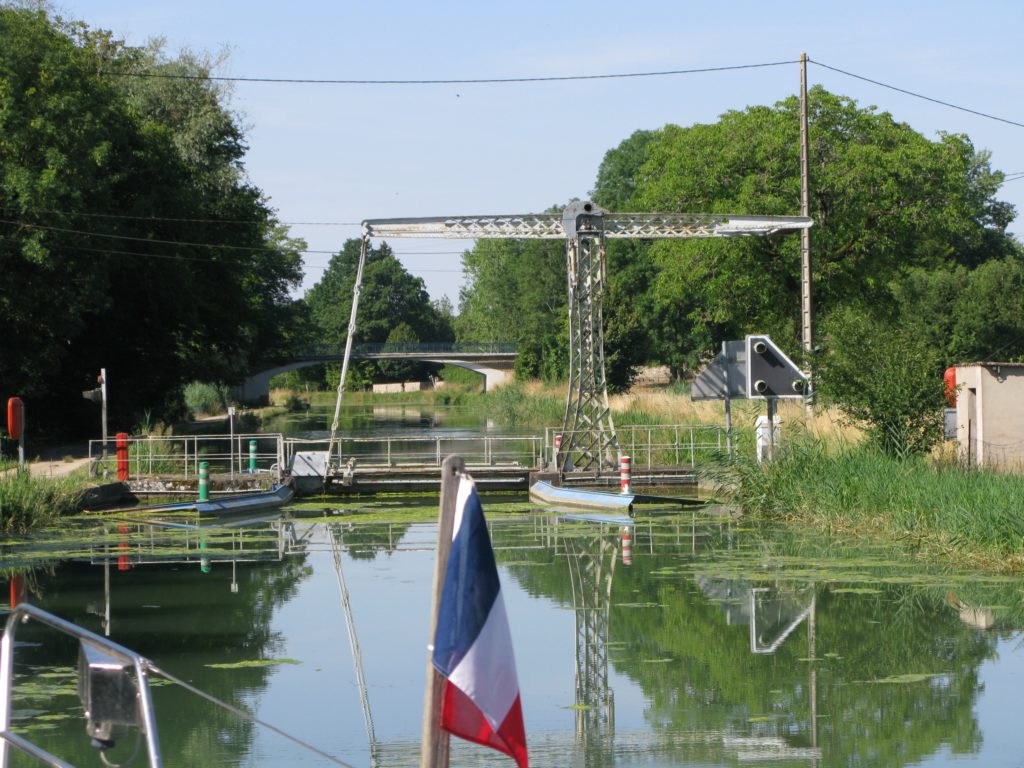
{"type": "Point", "coordinates": [127, 705]}
{"type": "Point", "coordinates": [141, 667]}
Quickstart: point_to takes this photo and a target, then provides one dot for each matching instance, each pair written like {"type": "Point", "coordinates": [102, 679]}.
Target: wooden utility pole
{"type": "Point", "coordinates": [434, 746]}
{"type": "Point", "coordinates": [805, 210]}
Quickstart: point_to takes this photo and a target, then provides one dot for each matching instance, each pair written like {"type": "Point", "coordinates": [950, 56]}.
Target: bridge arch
{"type": "Point", "coordinates": [496, 362]}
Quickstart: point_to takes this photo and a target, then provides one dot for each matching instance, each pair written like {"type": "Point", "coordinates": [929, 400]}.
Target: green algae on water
{"type": "Point", "coordinates": [252, 663]}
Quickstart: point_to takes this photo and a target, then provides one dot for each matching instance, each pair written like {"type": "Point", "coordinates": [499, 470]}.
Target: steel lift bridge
{"type": "Point", "coordinates": [588, 433]}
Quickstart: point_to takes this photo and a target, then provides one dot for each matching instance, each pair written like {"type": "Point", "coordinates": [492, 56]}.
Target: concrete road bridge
{"type": "Point", "coordinates": [494, 360]}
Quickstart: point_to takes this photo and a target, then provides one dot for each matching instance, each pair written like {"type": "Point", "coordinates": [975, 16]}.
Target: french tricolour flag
{"type": "Point", "coordinates": [473, 645]}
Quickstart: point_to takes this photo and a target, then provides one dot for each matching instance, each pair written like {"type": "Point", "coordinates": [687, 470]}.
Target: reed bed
{"type": "Point", "coordinates": [27, 502]}
{"type": "Point", "coordinates": [964, 514]}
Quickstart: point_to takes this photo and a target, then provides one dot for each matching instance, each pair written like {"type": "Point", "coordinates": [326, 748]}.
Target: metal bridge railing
{"type": "Point", "coordinates": [246, 454]}
{"type": "Point", "coordinates": [411, 348]}
{"type": "Point", "coordinates": [179, 456]}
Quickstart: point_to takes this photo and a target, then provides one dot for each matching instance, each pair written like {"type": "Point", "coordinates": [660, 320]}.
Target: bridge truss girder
{"type": "Point", "coordinates": [589, 441]}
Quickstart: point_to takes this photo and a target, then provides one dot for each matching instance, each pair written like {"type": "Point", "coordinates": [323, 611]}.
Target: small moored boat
{"type": "Point", "coordinates": [544, 492]}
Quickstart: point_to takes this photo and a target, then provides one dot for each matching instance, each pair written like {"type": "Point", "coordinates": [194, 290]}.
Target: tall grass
{"type": "Point", "coordinates": [27, 502]}
{"type": "Point", "coordinates": [535, 405]}
{"type": "Point", "coordinates": [516, 405]}
{"type": "Point", "coordinates": [967, 514]}
{"type": "Point", "coordinates": [202, 398]}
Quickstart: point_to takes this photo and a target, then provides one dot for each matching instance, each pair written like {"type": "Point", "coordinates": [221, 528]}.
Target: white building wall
{"type": "Point", "coordinates": [990, 414]}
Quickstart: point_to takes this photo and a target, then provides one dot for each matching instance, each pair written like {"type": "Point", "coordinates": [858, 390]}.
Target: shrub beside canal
{"type": "Point", "coordinates": [27, 502]}
{"type": "Point", "coordinates": [966, 514]}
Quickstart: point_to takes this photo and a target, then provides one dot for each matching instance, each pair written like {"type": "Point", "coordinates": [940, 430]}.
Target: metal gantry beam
{"type": "Point", "coordinates": [588, 441]}
{"type": "Point", "coordinates": [551, 226]}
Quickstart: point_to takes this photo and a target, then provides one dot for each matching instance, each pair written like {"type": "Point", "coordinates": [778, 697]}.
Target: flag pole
{"type": "Point", "coordinates": [434, 749]}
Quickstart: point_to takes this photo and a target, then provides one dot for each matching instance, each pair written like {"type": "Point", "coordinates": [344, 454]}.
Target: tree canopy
{"type": "Point", "coordinates": [130, 237]}
{"type": "Point", "coordinates": [903, 225]}
{"type": "Point", "coordinates": [885, 200]}
{"type": "Point", "coordinates": [393, 307]}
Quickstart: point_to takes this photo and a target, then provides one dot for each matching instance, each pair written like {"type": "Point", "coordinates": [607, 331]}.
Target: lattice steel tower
{"type": "Point", "coordinates": [588, 434]}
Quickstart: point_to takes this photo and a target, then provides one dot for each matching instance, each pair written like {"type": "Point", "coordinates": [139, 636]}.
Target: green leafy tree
{"type": "Point", "coordinates": [972, 314]}
{"type": "Point", "coordinates": [883, 365]}
{"type": "Point", "coordinates": [887, 376]}
{"type": "Point", "coordinates": [515, 291]}
{"type": "Point", "coordinates": [403, 370]}
{"type": "Point", "coordinates": [390, 297]}
{"type": "Point", "coordinates": [885, 200]}
{"type": "Point", "coordinates": [130, 238]}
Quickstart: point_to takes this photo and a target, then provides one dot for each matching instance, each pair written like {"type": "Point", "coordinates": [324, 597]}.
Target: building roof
{"type": "Point", "coordinates": [989, 364]}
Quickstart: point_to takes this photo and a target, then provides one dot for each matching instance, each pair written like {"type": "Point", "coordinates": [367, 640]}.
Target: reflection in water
{"type": "Point", "coordinates": [368, 420]}
{"type": "Point", "coordinates": [722, 645]}
{"type": "Point", "coordinates": [337, 545]}
{"type": "Point", "coordinates": [591, 560]}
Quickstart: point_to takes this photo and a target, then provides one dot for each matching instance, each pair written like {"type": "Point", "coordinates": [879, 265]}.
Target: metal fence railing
{"type": "Point", "coordinates": [656, 444]}
{"type": "Point", "coordinates": [430, 450]}
{"type": "Point", "coordinates": [179, 456]}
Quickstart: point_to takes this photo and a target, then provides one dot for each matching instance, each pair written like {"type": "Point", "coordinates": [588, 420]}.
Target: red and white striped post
{"type": "Point", "coordinates": [624, 474]}
{"type": "Point", "coordinates": [627, 546]}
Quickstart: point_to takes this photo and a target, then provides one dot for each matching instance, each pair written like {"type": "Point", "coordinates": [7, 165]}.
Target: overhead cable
{"type": "Point", "coordinates": [452, 81]}
{"type": "Point", "coordinates": [917, 95]}
{"type": "Point", "coordinates": [181, 220]}
{"type": "Point", "coordinates": [552, 78]}
{"type": "Point", "coordinates": [306, 266]}
{"type": "Point", "coordinates": [154, 240]}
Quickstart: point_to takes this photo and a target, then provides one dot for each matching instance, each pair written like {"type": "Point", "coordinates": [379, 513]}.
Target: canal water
{"type": "Point", "coordinates": [687, 639]}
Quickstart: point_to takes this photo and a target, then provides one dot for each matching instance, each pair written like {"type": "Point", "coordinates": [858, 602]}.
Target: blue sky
{"type": "Point", "coordinates": [343, 153]}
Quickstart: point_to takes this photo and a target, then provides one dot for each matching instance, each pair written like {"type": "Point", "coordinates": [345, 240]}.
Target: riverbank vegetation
{"type": "Point", "coordinates": [931, 504]}
{"type": "Point", "coordinates": [28, 502]}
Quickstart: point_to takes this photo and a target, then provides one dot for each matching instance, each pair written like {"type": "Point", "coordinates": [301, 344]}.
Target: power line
{"type": "Point", "coordinates": [129, 217]}
{"type": "Point", "coordinates": [552, 78]}
{"type": "Point", "coordinates": [169, 257]}
{"type": "Point", "coordinates": [144, 255]}
{"type": "Point", "coordinates": [210, 221]}
{"type": "Point", "coordinates": [453, 81]}
{"type": "Point", "coordinates": [154, 240]}
{"type": "Point", "coordinates": [917, 95]}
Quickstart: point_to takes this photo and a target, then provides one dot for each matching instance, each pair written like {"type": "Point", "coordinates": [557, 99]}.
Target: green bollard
{"type": "Point", "coordinates": [204, 481]}
{"type": "Point", "coordinates": [252, 456]}
{"type": "Point", "coordinates": [204, 560]}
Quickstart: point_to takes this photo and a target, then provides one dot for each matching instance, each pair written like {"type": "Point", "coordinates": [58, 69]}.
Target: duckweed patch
{"type": "Point", "coordinates": [910, 677]}
{"type": "Point", "coordinates": [252, 663]}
